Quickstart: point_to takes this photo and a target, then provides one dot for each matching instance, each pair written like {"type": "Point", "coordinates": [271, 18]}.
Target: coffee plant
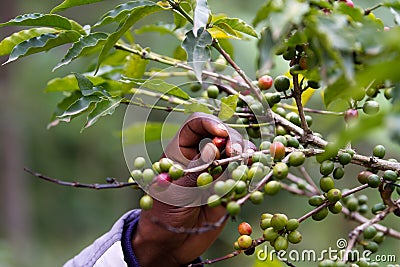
{"type": "Point", "coordinates": [340, 61]}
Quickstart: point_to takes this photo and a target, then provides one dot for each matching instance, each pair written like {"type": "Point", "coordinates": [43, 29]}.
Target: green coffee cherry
{"type": "Point", "coordinates": [371, 107]}
{"type": "Point", "coordinates": [232, 166]}
{"type": "Point", "coordinates": [316, 200]}
{"type": "Point", "coordinates": [279, 221]}
{"type": "Point", "coordinates": [390, 175]}
{"type": "Point", "coordinates": [281, 243]}
{"type": "Point", "coordinates": [326, 183]}
{"type": "Point", "coordinates": [176, 171]}
{"type": "Point", "coordinates": [378, 207]}
{"type": "Point", "coordinates": [320, 215]}
{"type": "Point", "coordinates": [362, 199]}
{"type": "Point", "coordinates": [326, 167]}
{"type": "Point", "coordinates": [296, 158]}
{"type": "Point", "coordinates": [148, 176]}
{"type": "Point", "coordinates": [139, 163]}
{"type": "Point", "coordinates": [335, 208]}
{"type": "Point", "coordinates": [233, 208]}
{"type": "Point", "coordinates": [213, 201]}
{"type": "Point", "coordinates": [292, 141]}
{"type": "Point", "coordinates": [156, 167]}
{"type": "Point", "coordinates": [352, 204]}
{"type": "Point", "coordinates": [219, 188]}
{"type": "Point", "coordinates": [281, 83]}
{"type": "Point", "coordinates": [294, 237]}
{"type": "Point", "coordinates": [344, 158]}
{"type": "Point", "coordinates": [379, 151]}
{"type": "Point", "coordinates": [270, 234]}
{"type": "Point", "coordinates": [272, 188]}
{"type": "Point", "coordinates": [292, 224]}
{"type": "Point", "coordinates": [338, 173]}
{"type": "Point", "coordinates": [371, 246]}
{"type": "Point", "coordinates": [280, 170]}
{"type": "Point", "coordinates": [241, 187]}
{"type": "Point", "coordinates": [334, 195]}
{"type": "Point", "coordinates": [245, 241]}
{"type": "Point", "coordinates": [265, 223]}
{"type": "Point", "coordinates": [146, 202]}
{"type": "Point", "coordinates": [256, 197]}
{"type": "Point", "coordinates": [240, 173]}
{"type": "Point", "coordinates": [204, 179]}
{"type": "Point", "coordinates": [374, 180]}
{"type": "Point", "coordinates": [370, 232]}
{"type": "Point", "coordinates": [212, 91]}
{"type": "Point", "coordinates": [265, 145]}
{"type": "Point", "coordinates": [379, 237]}
{"type": "Point", "coordinates": [165, 164]}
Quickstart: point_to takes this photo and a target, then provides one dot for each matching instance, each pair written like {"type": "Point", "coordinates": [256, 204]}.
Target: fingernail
{"type": "Point", "coordinates": [222, 127]}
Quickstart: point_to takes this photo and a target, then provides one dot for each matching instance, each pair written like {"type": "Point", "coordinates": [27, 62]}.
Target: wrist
{"type": "Point", "coordinates": [152, 243]}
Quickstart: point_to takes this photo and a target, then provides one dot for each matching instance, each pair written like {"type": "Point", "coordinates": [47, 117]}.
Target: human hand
{"type": "Point", "coordinates": [182, 204]}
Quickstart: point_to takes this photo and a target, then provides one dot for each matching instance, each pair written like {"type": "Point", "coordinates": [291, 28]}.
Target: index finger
{"type": "Point", "coordinates": [199, 126]}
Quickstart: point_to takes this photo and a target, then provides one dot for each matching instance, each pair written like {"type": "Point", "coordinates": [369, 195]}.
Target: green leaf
{"type": "Point", "coordinates": [197, 107]}
{"type": "Point", "coordinates": [179, 20]}
{"type": "Point", "coordinates": [136, 14]}
{"type": "Point", "coordinates": [103, 108]}
{"type": "Point", "coordinates": [291, 12]}
{"type": "Point", "coordinates": [228, 107]}
{"type": "Point", "coordinates": [223, 31]}
{"type": "Point", "coordinates": [135, 66]}
{"type": "Point", "coordinates": [161, 86]}
{"type": "Point", "coordinates": [40, 20]}
{"type": "Point", "coordinates": [265, 49]}
{"type": "Point", "coordinates": [160, 28]}
{"type": "Point", "coordinates": [62, 107]}
{"type": "Point", "coordinates": [87, 88]}
{"type": "Point", "coordinates": [80, 106]}
{"type": "Point", "coordinates": [120, 12]}
{"type": "Point", "coordinates": [42, 43]}
{"type": "Point", "coordinates": [149, 131]}
{"type": "Point", "coordinates": [68, 83]}
{"type": "Point", "coordinates": [85, 45]}
{"type": "Point", "coordinates": [72, 3]}
{"type": "Point", "coordinates": [197, 50]}
{"type": "Point", "coordinates": [237, 25]}
{"type": "Point", "coordinates": [262, 13]}
{"type": "Point", "coordinates": [201, 16]}
{"type": "Point", "coordinates": [8, 43]}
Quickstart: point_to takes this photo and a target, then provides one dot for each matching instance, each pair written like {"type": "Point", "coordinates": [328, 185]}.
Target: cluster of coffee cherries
{"type": "Point", "coordinates": [278, 230]}
{"type": "Point", "coordinates": [162, 173]}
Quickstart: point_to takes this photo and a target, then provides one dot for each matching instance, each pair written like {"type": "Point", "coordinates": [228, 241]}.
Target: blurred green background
{"type": "Point", "coordinates": [42, 224]}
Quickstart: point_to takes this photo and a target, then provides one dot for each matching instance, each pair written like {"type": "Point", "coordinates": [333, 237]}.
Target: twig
{"type": "Point", "coordinates": [355, 216]}
{"type": "Point", "coordinates": [256, 242]}
{"type": "Point", "coordinates": [299, 104]}
{"type": "Point", "coordinates": [369, 10]}
{"type": "Point", "coordinates": [310, 110]}
{"type": "Point", "coordinates": [353, 235]}
{"type": "Point", "coordinates": [298, 180]}
{"type": "Point", "coordinates": [113, 185]}
{"type": "Point", "coordinates": [308, 178]}
{"type": "Point", "coordinates": [295, 190]}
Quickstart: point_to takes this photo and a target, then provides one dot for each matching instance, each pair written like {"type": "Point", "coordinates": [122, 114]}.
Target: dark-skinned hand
{"type": "Point", "coordinates": [182, 204]}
